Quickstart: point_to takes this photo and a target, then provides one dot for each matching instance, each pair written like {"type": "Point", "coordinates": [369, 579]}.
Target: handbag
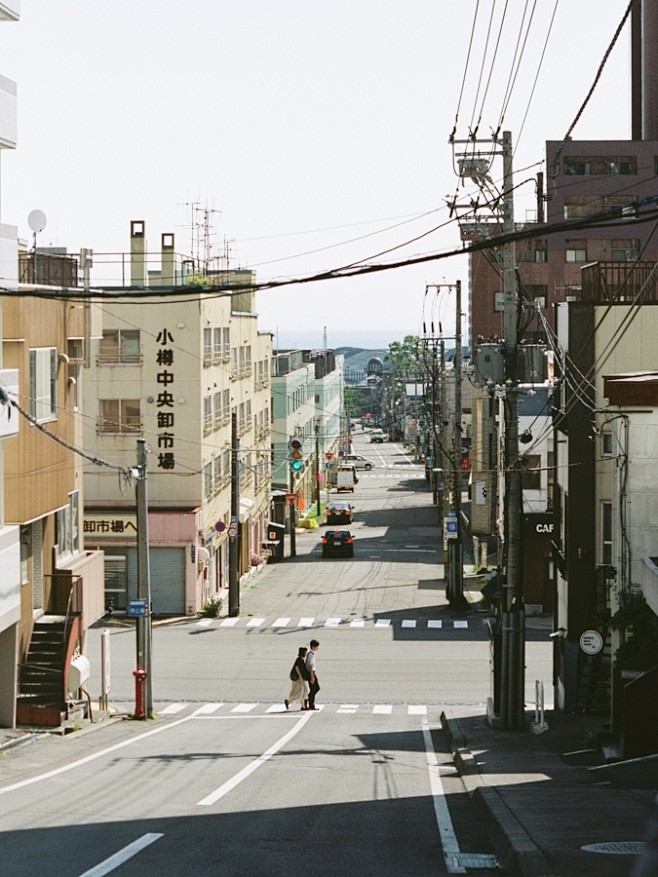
{"type": "Point", "coordinates": [293, 673]}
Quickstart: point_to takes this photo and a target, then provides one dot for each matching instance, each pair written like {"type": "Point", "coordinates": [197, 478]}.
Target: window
{"type": "Point", "coordinates": [120, 416]}
{"type": "Point", "coordinates": [43, 383]}
{"type": "Point", "coordinates": [217, 344]}
{"type": "Point", "coordinates": [576, 251]}
{"type": "Point", "coordinates": [120, 345]}
{"type": "Point", "coordinates": [207, 413]}
{"type": "Point", "coordinates": [604, 165]}
{"type": "Point", "coordinates": [624, 250]}
{"type": "Point", "coordinates": [207, 346]}
{"type": "Point", "coordinates": [68, 527]}
{"type": "Point", "coordinates": [540, 255]}
{"type": "Point", "coordinates": [207, 481]}
{"type": "Point", "coordinates": [531, 474]}
{"type": "Point", "coordinates": [606, 533]}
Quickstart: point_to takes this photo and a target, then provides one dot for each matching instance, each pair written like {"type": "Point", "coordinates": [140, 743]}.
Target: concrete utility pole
{"type": "Point", "coordinates": [512, 677]}
{"type": "Point", "coordinates": [450, 464]}
{"type": "Point", "coordinates": [144, 622]}
{"type": "Point", "coordinates": [234, 540]}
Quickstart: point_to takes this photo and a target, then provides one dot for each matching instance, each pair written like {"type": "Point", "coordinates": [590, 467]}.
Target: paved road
{"type": "Point", "coordinates": [226, 781]}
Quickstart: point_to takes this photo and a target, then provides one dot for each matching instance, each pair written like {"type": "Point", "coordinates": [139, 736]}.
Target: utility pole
{"type": "Point", "coordinates": [512, 681]}
{"type": "Point", "coordinates": [143, 626]}
{"type": "Point", "coordinates": [318, 471]}
{"type": "Point", "coordinates": [450, 463]}
{"type": "Point", "coordinates": [234, 540]}
{"type": "Point", "coordinates": [509, 638]}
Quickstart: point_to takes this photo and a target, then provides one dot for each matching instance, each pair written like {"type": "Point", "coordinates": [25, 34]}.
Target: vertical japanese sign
{"type": "Point", "coordinates": [166, 418]}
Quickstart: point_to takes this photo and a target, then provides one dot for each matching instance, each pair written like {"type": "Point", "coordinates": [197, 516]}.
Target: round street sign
{"type": "Point", "coordinates": [220, 526]}
{"type": "Point", "coordinates": [591, 642]}
{"type": "Point", "coordinates": [232, 532]}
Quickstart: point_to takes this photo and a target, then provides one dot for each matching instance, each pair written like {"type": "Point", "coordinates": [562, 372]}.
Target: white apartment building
{"type": "Point", "coordinates": [173, 370]}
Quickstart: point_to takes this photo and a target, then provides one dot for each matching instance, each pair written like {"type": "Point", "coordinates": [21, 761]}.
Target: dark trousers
{"type": "Point", "coordinates": [313, 688]}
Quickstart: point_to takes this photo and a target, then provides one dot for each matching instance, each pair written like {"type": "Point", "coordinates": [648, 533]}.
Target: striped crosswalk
{"type": "Point", "coordinates": [279, 622]}
{"type": "Point", "coordinates": [219, 708]}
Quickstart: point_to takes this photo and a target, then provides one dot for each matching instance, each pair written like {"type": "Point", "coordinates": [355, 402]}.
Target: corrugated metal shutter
{"type": "Point", "coordinates": [167, 568]}
{"type": "Point", "coordinates": [168, 581]}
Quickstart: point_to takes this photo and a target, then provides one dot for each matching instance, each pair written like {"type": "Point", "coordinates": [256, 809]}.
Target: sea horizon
{"type": "Point", "coordinates": [313, 339]}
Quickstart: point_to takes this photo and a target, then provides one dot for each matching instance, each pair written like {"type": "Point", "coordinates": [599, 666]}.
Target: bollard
{"type": "Point", "coordinates": [140, 679]}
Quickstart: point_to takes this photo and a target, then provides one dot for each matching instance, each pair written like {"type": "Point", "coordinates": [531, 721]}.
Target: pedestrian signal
{"type": "Point", "coordinates": [296, 455]}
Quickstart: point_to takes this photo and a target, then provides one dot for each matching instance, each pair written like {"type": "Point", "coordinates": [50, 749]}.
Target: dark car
{"type": "Point", "coordinates": [337, 543]}
{"type": "Point", "coordinates": [339, 513]}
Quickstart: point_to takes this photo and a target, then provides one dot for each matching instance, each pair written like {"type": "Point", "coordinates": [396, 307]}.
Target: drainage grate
{"type": "Point", "coordinates": [616, 847]}
{"type": "Point", "coordinates": [478, 860]}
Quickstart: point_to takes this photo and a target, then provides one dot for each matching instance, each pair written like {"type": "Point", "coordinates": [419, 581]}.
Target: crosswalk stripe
{"type": "Point", "coordinates": [347, 708]}
{"type": "Point", "coordinates": [383, 622]}
{"type": "Point", "coordinates": [281, 622]}
{"type": "Point", "coordinates": [461, 624]}
{"type": "Point", "coordinates": [435, 622]}
{"type": "Point", "coordinates": [255, 622]}
{"type": "Point", "coordinates": [417, 709]}
{"type": "Point", "coordinates": [209, 708]}
{"type": "Point", "coordinates": [306, 622]}
{"type": "Point", "coordinates": [230, 622]}
{"type": "Point", "coordinates": [309, 621]}
{"type": "Point", "coordinates": [357, 622]}
{"type": "Point", "coordinates": [409, 622]}
{"type": "Point", "coordinates": [243, 708]}
{"type": "Point", "coordinates": [172, 709]}
{"type": "Point", "coordinates": [332, 622]}
{"type": "Point", "coordinates": [382, 709]}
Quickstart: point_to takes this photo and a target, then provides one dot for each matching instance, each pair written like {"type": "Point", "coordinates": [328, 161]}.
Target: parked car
{"type": "Point", "coordinates": [359, 461]}
{"type": "Point", "coordinates": [337, 543]}
{"type": "Point", "coordinates": [339, 512]}
{"type": "Point", "coordinates": [377, 435]}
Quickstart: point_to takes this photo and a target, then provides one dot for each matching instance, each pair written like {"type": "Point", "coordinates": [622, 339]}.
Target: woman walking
{"type": "Point", "coordinates": [298, 675]}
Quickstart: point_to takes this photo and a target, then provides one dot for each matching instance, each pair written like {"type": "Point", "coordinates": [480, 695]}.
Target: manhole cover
{"type": "Point", "coordinates": [616, 847]}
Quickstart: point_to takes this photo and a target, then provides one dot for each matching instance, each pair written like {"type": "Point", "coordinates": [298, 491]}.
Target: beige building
{"type": "Point", "coordinates": [173, 369]}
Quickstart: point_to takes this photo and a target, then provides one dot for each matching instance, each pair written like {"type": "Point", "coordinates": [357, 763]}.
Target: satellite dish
{"type": "Point", "coordinates": [37, 220]}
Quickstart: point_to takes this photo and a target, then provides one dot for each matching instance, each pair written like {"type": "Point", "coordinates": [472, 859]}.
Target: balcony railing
{"type": "Point", "coordinates": [619, 282]}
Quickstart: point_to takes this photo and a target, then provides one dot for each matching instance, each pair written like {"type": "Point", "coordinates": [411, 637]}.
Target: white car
{"type": "Point", "coordinates": [358, 461]}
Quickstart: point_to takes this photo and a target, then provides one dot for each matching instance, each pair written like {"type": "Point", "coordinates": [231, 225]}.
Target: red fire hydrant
{"type": "Point", "coordinates": [140, 679]}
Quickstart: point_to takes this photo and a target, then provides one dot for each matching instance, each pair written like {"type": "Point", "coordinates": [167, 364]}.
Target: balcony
{"type": "Point", "coordinates": [618, 282]}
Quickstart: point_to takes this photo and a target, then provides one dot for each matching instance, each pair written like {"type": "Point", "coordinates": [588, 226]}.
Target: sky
{"type": "Point", "coordinates": [297, 137]}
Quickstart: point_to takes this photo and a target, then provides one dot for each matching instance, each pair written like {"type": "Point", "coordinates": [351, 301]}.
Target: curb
{"type": "Point", "coordinates": [515, 850]}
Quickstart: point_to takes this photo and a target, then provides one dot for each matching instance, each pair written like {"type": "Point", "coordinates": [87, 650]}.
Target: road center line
{"type": "Point", "coordinates": [449, 842]}
{"type": "Point", "coordinates": [122, 856]}
{"type": "Point", "coordinates": [246, 771]}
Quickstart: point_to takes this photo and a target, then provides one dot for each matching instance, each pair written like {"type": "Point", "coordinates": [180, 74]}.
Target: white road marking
{"type": "Point", "coordinates": [409, 622]}
{"type": "Point", "coordinates": [332, 622]}
{"type": "Point", "coordinates": [417, 709]}
{"type": "Point", "coordinates": [208, 708]}
{"type": "Point", "coordinates": [204, 622]}
{"type": "Point", "coordinates": [276, 708]}
{"type": "Point", "coordinates": [255, 622]}
{"type": "Point", "coordinates": [383, 622]}
{"type": "Point", "coordinates": [347, 708]}
{"type": "Point", "coordinates": [172, 709]}
{"type": "Point", "coordinates": [358, 622]}
{"type": "Point", "coordinates": [243, 708]}
{"type": "Point", "coordinates": [122, 856]}
{"type": "Point", "coordinates": [93, 757]}
{"type": "Point", "coordinates": [382, 709]}
{"type": "Point", "coordinates": [246, 771]}
{"type": "Point", "coordinates": [306, 622]}
{"type": "Point", "coordinates": [281, 622]}
{"type": "Point", "coordinates": [460, 624]}
{"type": "Point", "coordinates": [229, 622]}
{"type": "Point", "coordinates": [449, 843]}
{"type": "Point", "coordinates": [435, 622]}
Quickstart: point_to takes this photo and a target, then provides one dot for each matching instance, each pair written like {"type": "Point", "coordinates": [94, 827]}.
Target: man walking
{"type": "Point", "coordinates": [311, 666]}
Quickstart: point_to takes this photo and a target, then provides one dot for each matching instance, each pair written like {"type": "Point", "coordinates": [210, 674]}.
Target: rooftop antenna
{"type": "Point", "coordinates": [37, 221]}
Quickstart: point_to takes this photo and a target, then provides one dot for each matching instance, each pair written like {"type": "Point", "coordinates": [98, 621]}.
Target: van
{"type": "Point", "coordinates": [377, 435]}
{"type": "Point", "coordinates": [346, 478]}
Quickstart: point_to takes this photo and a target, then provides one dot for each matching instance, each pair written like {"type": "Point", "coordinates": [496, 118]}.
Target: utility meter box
{"type": "Point", "coordinates": [79, 672]}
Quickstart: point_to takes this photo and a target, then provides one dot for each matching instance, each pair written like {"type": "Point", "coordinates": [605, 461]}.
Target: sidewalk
{"type": "Point", "coordinates": [541, 811]}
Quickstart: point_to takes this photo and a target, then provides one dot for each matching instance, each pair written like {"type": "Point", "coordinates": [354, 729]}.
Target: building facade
{"type": "Point", "coordinates": [190, 374]}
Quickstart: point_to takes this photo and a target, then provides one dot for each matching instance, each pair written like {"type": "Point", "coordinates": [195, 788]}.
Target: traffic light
{"type": "Point", "coordinates": [296, 455]}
